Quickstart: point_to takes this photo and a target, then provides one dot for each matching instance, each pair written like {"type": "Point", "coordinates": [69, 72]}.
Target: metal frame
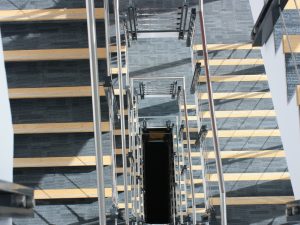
{"type": "Point", "coordinates": [121, 98]}
{"type": "Point", "coordinates": [196, 76]}
{"type": "Point", "coordinates": [132, 22]}
{"type": "Point", "coordinates": [138, 196]}
{"type": "Point", "coordinates": [133, 147]}
{"type": "Point", "coordinates": [191, 29]}
{"type": "Point", "coordinates": [181, 91]}
{"type": "Point", "coordinates": [182, 23]}
{"type": "Point", "coordinates": [213, 118]}
{"type": "Point", "coordinates": [174, 144]}
{"type": "Point", "coordinates": [189, 155]}
{"type": "Point", "coordinates": [111, 107]}
{"type": "Point", "coordinates": [264, 25]}
{"type": "Point", "coordinates": [16, 200]}
{"type": "Point", "coordinates": [182, 172]}
{"type": "Point", "coordinates": [92, 39]}
{"type": "Point", "coordinates": [126, 51]}
{"type": "Point", "coordinates": [194, 90]}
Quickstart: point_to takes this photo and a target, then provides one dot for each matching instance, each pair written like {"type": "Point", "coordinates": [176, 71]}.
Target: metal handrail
{"type": "Point", "coordinates": [204, 161]}
{"type": "Point", "coordinates": [93, 58]}
{"type": "Point", "coordinates": [130, 156]}
{"type": "Point", "coordinates": [202, 150]}
{"type": "Point", "coordinates": [111, 106]}
{"type": "Point", "coordinates": [126, 54]}
{"type": "Point", "coordinates": [189, 155]}
{"type": "Point", "coordinates": [178, 172]}
{"type": "Point", "coordinates": [122, 115]}
{"type": "Point", "coordinates": [180, 94]}
{"type": "Point", "coordinates": [138, 185]}
{"type": "Point", "coordinates": [133, 146]}
{"type": "Point", "coordinates": [180, 139]}
{"type": "Point", "coordinates": [213, 118]}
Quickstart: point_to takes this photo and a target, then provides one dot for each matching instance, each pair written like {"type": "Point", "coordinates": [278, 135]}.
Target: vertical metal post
{"type": "Point", "coordinates": [183, 176]}
{"type": "Point", "coordinates": [202, 159]}
{"type": "Point", "coordinates": [91, 24]}
{"type": "Point", "coordinates": [141, 162]}
{"type": "Point", "coordinates": [107, 36]}
{"type": "Point", "coordinates": [139, 193]}
{"type": "Point", "coordinates": [134, 145]}
{"type": "Point", "coordinates": [113, 154]}
{"type": "Point", "coordinates": [111, 107]}
{"type": "Point", "coordinates": [121, 89]}
{"type": "Point", "coordinates": [189, 154]}
{"type": "Point", "coordinates": [138, 157]}
{"type": "Point", "coordinates": [213, 119]}
{"type": "Point", "coordinates": [179, 172]}
{"type": "Point", "coordinates": [126, 57]}
{"type": "Point", "coordinates": [176, 203]}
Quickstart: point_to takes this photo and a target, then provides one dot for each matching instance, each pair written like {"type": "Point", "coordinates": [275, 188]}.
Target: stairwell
{"type": "Point", "coordinates": [47, 69]}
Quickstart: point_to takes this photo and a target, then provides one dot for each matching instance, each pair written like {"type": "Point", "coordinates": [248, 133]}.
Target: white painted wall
{"type": "Point", "coordinates": [287, 112]}
{"type": "Point", "coordinates": [6, 131]}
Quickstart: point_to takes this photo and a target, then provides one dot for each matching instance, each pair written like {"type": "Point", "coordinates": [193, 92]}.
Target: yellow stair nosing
{"type": "Point", "coordinates": [59, 161]}
{"type": "Point", "coordinates": [235, 114]}
{"type": "Point", "coordinates": [291, 43]}
{"type": "Point", "coordinates": [233, 62]}
{"type": "Point", "coordinates": [245, 154]}
{"type": "Point", "coordinates": [53, 54]}
{"type": "Point", "coordinates": [259, 200]}
{"type": "Point", "coordinates": [70, 127]}
{"type": "Point", "coordinates": [55, 92]}
{"type": "Point", "coordinates": [236, 95]}
{"type": "Point", "coordinates": [291, 5]}
{"type": "Point", "coordinates": [30, 15]}
{"type": "Point", "coordinates": [265, 176]}
{"type": "Point", "coordinates": [239, 133]}
{"type": "Point", "coordinates": [235, 78]}
{"type": "Point", "coordinates": [234, 46]}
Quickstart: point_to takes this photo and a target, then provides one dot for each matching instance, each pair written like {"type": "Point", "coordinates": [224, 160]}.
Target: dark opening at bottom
{"type": "Point", "coordinates": [158, 175]}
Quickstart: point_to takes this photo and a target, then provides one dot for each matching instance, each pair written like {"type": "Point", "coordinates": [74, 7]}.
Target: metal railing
{"type": "Point", "coordinates": [168, 122]}
{"type": "Point", "coordinates": [184, 158]}
{"type": "Point", "coordinates": [112, 114]}
{"type": "Point", "coordinates": [213, 118]}
{"type": "Point", "coordinates": [93, 58]}
{"type": "Point", "coordinates": [122, 112]}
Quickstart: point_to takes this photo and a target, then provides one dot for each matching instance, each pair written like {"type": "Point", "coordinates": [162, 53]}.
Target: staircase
{"type": "Point", "coordinates": [47, 66]}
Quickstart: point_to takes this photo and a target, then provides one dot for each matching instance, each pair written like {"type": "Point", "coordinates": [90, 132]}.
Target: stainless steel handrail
{"type": "Point", "coordinates": [122, 115]}
{"type": "Point", "coordinates": [111, 110]}
{"type": "Point", "coordinates": [92, 40]}
{"type": "Point", "coordinates": [191, 175]}
{"type": "Point", "coordinates": [201, 150]}
{"type": "Point", "coordinates": [213, 118]}
{"type": "Point", "coordinates": [113, 152]}
{"type": "Point", "coordinates": [182, 176]}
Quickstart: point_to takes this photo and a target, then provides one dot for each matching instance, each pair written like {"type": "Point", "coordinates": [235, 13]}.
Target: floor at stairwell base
{"type": "Point", "coordinates": [157, 177]}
